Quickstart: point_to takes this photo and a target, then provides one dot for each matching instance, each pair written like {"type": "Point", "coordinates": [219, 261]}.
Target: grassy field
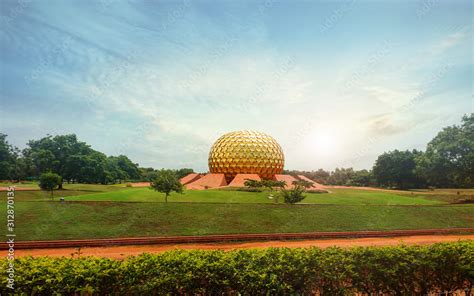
{"type": "Point", "coordinates": [338, 196]}
{"type": "Point", "coordinates": [53, 220]}
{"type": "Point", "coordinates": [95, 211]}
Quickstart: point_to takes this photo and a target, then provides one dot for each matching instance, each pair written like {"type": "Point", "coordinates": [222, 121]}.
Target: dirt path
{"type": "Point", "coordinates": [368, 188]}
{"type": "Point", "coordinates": [140, 184]}
{"type": "Point", "coordinates": [119, 252]}
{"type": "Point", "coordinates": [20, 189]}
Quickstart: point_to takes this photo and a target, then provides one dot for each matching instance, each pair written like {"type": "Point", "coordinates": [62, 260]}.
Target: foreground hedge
{"type": "Point", "coordinates": [401, 270]}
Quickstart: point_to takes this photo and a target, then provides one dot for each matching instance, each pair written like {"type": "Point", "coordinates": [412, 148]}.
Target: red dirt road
{"type": "Point", "coordinates": [120, 252]}
{"type": "Point", "coordinates": [19, 189]}
{"type": "Point", "coordinates": [140, 184]}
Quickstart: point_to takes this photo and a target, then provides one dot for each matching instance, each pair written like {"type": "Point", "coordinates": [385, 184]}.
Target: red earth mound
{"type": "Point", "coordinates": [287, 178]}
{"type": "Point", "coordinates": [208, 181]}
{"type": "Point", "coordinates": [240, 179]}
{"type": "Point", "coordinates": [19, 189]}
{"type": "Point", "coordinates": [316, 185]}
{"type": "Point", "coordinates": [189, 178]}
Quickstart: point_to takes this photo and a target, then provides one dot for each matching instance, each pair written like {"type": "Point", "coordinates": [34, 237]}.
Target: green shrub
{"type": "Point", "coordinates": [293, 195]}
{"type": "Point", "coordinates": [49, 182]}
{"type": "Point", "coordinates": [400, 270]}
{"type": "Point", "coordinates": [249, 189]}
{"type": "Point", "coordinates": [316, 191]}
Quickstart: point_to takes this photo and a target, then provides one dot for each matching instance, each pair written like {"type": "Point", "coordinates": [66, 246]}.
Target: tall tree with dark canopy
{"type": "Point", "coordinates": [183, 172]}
{"type": "Point", "coordinates": [77, 162]}
{"type": "Point", "coordinates": [397, 169]}
{"type": "Point", "coordinates": [7, 158]}
{"type": "Point", "coordinates": [341, 176]}
{"type": "Point", "coordinates": [147, 174]}
{"type": "Point", "coordinates": [362, 178]}
{"type": "Point", "coordinates": [449, 157]}
{"type": "Point", "coordinates": [62, 154]}
{"type": "Point", "coordinates": [12, 165]}
{"type": "Point", "coordinates": [129, 168]}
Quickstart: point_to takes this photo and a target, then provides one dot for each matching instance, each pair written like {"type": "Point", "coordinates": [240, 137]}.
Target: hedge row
{"type": "Point", "coordinates": [401, 270]}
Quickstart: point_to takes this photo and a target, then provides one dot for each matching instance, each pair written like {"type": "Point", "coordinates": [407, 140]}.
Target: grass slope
{"type": "Point", "coordinates": [100, 211]}
{"type": "Point", "coordinates": [76, 220]}
{"type": "Point", "coordinates": [338, 196]}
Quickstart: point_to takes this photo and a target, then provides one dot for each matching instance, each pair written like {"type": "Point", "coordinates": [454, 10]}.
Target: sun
{"type": "Point", "coordinates": [325, 143]}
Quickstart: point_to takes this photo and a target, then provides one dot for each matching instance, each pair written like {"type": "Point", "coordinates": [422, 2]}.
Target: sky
{"type": "Point", "coordinates": [336, 83]}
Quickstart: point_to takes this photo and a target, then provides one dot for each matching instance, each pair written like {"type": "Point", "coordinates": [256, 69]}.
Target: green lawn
{"type": "Point", "coordinates": [337, 196]}
{"type": "Point", "coordinates": [66, 186]}
{"type": "Point", "coordinates": [20, 185]}
{"type": "Point", "coordinates": [69, 190]}
{"type": "Point", "coordinates": [94, 211]}
{"type": "Point", "coordinates": [75, 220]}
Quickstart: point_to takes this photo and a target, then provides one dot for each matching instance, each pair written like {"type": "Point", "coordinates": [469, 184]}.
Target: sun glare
{"type": "Point", "coordinates": [325, 143]}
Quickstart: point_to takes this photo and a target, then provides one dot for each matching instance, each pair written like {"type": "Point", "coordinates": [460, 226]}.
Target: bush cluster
{"type": "Point", "coordinates": [316, 191]}
{"type": "Point", "coordinates": [401, 270]}
{"type": "Point", "coordinates": [249, 189]}
{"type": "Point", "coordinates": [293, 195]}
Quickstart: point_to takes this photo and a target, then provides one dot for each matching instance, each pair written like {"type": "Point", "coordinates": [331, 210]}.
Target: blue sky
{"type": "Point", "coordinates": [335, 82]}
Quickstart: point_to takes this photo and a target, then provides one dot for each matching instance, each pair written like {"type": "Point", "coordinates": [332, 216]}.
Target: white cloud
{"type": "Point", "coordinates": [392, 98]}
{"type": "Point", "coordinates": [449, 41]}
{"type": "Point", "coordinates": [162, 97]}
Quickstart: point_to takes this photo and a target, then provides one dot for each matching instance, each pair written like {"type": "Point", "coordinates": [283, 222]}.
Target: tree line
{"type": "Point", "coordinates": [73, 160]}
{"type": "Point", "coordinates": [447, 162]}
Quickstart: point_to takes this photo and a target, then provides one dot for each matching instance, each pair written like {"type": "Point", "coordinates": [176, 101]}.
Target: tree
{"type": "Point", "coordinates": [127, 166]}
{"type": "Point", "coordinates": [76, 161]}
{"type": "Point", "coordinates": [183, 172]}
{"type": "Point", "coordinates": [49, 182]}
{"type": "Point", "coordinates": [305, 184]}
{"type": "Point", "coordinates": [293, 195]}
{"type": "Point", "coordinates": [270, 184]}
{"type": "Point", "coordinates": [320, 176]}
{"type": "Point", "coordinates": [54, 154]}
{"type": "Point", "coordinates": [397, 169]}
{"type": "Point", "coordinates": [280, 184]}
{"type": "Point", "coordinates": [449, 157]}
{"type": "Point", "coordinates": [166, 182]}
{"type": "Point", "coordinates": [361, 178]}
{"type": "Point", "coordinates": [147, 174]}
{"type": "Point", "coordinates": [253, 183]}
{"type": "Point", "coordinates": [8, 156]}
{"type": "Point", "coordinates": [341, 176]}
{"type": "Point", "coordinates": [20, 168]}
{"type": "Point", "coordinates": [93, 168]}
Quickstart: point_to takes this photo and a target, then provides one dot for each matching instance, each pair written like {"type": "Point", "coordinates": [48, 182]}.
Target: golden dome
{"type": "Point", "coordinates": [246, 152]}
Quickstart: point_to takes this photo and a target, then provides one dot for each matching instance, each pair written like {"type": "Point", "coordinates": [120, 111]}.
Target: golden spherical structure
{"type": "Point", "coordinates": [246, 152]}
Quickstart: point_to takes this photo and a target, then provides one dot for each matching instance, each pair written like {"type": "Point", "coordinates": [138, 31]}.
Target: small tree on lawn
{"type": "Point", "coordinates": [304, 183]}
{"type": "Point", "coordinates": [166, 182]}
{"type": "Point", "coordinates": [270, 184]}
{"type": "Point", "coordinates": [250, 183]}
{"type": "Point", "coordinates": [49, 182]}
{"type": "Point", "coordinates": [293, 195]}
{"type": "Point", "coordinates": [280, 184]}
